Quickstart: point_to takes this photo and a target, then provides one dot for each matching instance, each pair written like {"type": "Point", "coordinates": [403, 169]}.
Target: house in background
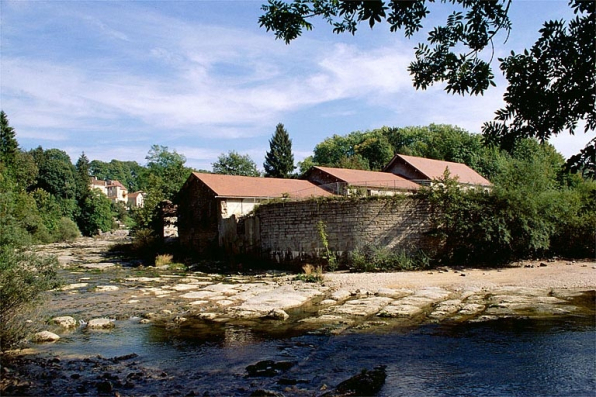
{"type": "Point", "coordinates": [358, 182]}
{"type": "Point", "coordinates": [102, 186]}
{"type": "Point", "coordinates": [136, 199]}
{"type": "Point", "coordinates": [206, 201]}
{"type": "Point", "coordinates": [117, 192]}
{"type": "Point", "coordinates": [424, 171]}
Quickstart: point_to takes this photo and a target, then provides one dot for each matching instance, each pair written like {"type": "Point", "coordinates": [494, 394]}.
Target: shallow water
{"type": "Point", "coordinates": [508, 357]}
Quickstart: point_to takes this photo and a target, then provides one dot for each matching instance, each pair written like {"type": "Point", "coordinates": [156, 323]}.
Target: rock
{"type": "Point", "coordinates": [100, 323]}
{"type": "Point", "coordinates": [106, 288]}
{"type": "Point", "coordinates": [268, 368]}
{"type": "Point", "coordinates": [104, 388]}
{"type": "Point", "coordinates": [278, 314]}
{"type": "Point", "coordinates": [97, 266]}
{"type": "Point", "coordinates": [65, 321]}
{"type": "Point", "coordinates": [45, 336]}
{"type": "Point", "coordinates": [70, 287]}
{"type": "Point", "coordinates": [340, 295]}
{"type": "Point", "coordinates": [265, 393]}
{"type": "Point", "coordinates": [327, 302]}
{"type": "Point", "coordinates": [400, 311]}
{"type": "Point", "coordinates": [363, 307]}
{"type": "Point", "coordinates": [366, 383]}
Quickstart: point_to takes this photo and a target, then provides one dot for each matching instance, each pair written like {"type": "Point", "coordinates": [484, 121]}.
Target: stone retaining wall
{"type": "Point", "coordinates": [288, 231]}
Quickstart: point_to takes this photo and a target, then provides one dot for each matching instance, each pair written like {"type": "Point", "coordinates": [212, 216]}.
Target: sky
{"type": "Point", "coordinates": [113, 78]}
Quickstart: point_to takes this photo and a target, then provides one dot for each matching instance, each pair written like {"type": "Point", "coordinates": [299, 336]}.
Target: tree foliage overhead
{"type": "Point", "coordinates": [452, 52]}
{"type": "Point", "coordinates": [235, 163]}
{"type": "Point", "coordinates": [553, 85]}
{"type": "Point", "coordinates": [279, 160]}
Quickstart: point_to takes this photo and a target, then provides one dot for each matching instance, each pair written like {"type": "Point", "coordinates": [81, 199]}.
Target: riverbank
{"type": "Point", "coordinates": [133, 301]}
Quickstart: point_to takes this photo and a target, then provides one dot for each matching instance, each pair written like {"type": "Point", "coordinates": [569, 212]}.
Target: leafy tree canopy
{"type": "Point", "coordinates": [126, 172]}
{"type": "Point", "coordinates": [234, 163]}
{"type": "Point", "coordinates": [551, 87]}
{"type": "Point", "coordinates": [279, 160]}
{"type": "Point", "coordinates": [456, 46]}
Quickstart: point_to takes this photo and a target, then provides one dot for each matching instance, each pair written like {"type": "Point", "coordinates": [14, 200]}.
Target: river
{"type": "Point", "coordinates": [506, 357]}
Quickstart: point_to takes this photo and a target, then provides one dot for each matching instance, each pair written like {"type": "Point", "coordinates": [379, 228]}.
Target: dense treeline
{"type": "Point", "coordinates": [537, 207]}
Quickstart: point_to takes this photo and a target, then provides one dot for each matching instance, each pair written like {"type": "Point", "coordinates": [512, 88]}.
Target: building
{"type": "Point", "coordinates": [358, 182]}
{"type": "Point", "coordinates": [117, 192]}
{"type": "Point", "coordinates": [423, 171]}
{"type": "Point", "coordinates": [136, 199]}
{"type": "Point", "coordinates": [207, 200]}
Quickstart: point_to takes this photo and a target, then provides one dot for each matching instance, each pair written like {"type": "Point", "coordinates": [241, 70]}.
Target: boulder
{"type": "Point", "coordinates": [100, 323]}
{"type": "Point", "coordinates": [366, 383]}
{"type": "Point", "coordinates": [278, 314]}
{"type": "Point", "coordinates": [45, 336]}
{"type": "Point", "coordinates": [65, 321]}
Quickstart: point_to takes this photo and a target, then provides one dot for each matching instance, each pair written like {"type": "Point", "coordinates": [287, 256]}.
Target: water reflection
{"type": "Point", "coordinates": [516, 357]}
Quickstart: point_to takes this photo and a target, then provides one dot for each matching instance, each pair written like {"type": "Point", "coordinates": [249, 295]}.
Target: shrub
{"type": "Point", "coordinates": [331, 257]}
{"type": "Point", "coordinates": [145, 244]}
{"type": "Point", "coordinates": [67, 230]}
{"type": "Point", "coordinates": [371, 258]}
{"type": "Point", "coordinates": [311, 274]}
{"type": "Point", "coordinates": [24, 276]}
{"type": "Point", "coordinates": [163, 260]}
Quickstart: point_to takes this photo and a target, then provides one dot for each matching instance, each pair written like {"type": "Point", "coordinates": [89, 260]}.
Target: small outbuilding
{"type": "Point", "coordinates": [424, 171]}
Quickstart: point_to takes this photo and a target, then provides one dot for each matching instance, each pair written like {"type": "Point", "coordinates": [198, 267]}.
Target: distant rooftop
{"type": "Point", "coordinates": [247, 186]}
{"type": "Point", "coordinates": [372, 179]}
{"type": "Point", "coordinates": [434, 169]}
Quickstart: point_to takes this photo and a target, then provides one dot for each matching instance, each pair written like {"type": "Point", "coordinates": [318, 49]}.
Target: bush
{"type": "Point", "coordinates": [370, 258]}
{"type": "Point", "coordinates": [311, 274]}
{"type": "Point", "coordinates": [512, 223]}
{"type": "Point", "coordinates": [67, 230]}
{"type": "Point", "coordinates": [163, 260]}
{"type": "Point", "coordinates": [146, 245]}
{"type": "Point", "coordinates": [24, 276]}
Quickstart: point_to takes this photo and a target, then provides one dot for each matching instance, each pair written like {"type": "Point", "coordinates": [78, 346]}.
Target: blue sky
{"type": "Point", "coordinates": [112, 78]}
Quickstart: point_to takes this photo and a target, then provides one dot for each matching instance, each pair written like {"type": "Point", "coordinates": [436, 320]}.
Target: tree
{"type": "Point", "coordinates": [82, 176]}
{"type": "Point", "coordinates": [471, 32]}
{"type": "Point", "coordinates": [95, 213]}
{"type": "Point", "coordinates": [279, 160]}
{"type": "Point", "coordinates": [8, 142]}
{"type": "Point", "coordinates": [57, 177]}
{"type": "Point", "coordinates": [550, 89]}
{"type": "Point", "coordinates": [168, 167]}
{"type": "Point", "coordinates": [234, 163]}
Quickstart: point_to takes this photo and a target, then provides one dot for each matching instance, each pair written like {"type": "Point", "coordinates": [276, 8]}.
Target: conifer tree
{"type": "Point", "coordinates": [8, 142]}
{"type": "Point", "coordinates": [82, 178]}
{"type": "Point", "coordinates": [279, 160]}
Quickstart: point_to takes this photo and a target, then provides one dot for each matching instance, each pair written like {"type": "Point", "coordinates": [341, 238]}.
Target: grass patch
{"type": "Point", "coordinates": [311, 274]}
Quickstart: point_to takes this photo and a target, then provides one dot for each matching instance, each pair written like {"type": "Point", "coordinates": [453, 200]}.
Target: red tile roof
{"type": "Point", "coordinates": [248, 186]}
{"type": "Point", "coordinates": [434, 169]}
{"type": "Point", "coordinates": [370, 178]}
{"type": "Point", "coordinates": [116, 183]}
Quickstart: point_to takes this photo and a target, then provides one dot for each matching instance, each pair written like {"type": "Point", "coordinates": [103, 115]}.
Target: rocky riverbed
{"type": "Point", "coordinates": [102, 292]}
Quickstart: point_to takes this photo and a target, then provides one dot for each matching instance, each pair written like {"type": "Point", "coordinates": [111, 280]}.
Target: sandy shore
{"type": "Point", "coordinates": [557, 275]}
